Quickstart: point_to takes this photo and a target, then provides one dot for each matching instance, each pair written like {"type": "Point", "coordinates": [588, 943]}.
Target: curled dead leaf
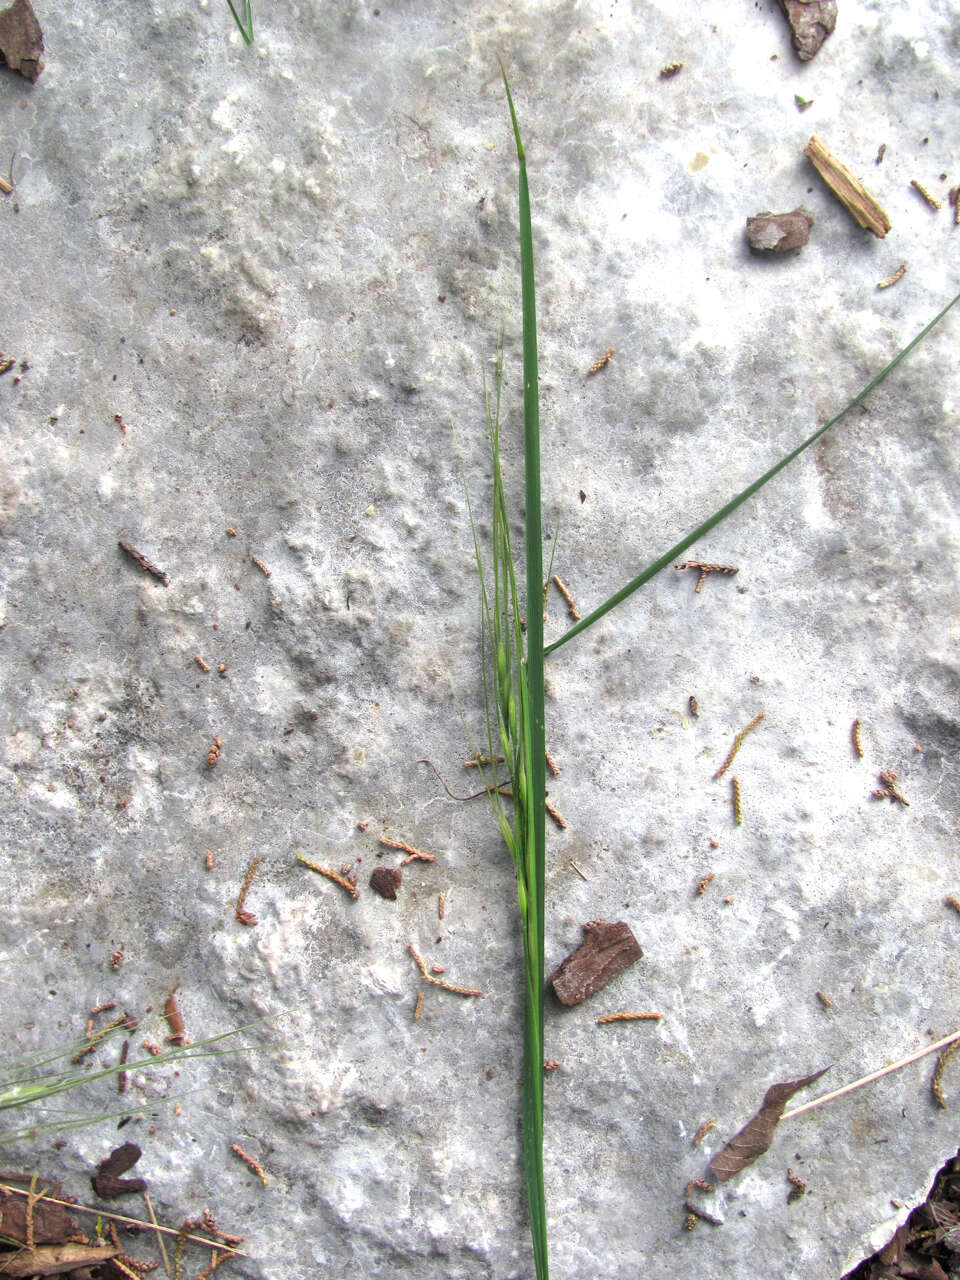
{"type": "Point", "coordinates": [757, 1134]}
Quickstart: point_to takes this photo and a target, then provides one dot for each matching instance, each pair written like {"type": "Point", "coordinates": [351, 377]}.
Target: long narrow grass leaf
{"type": "Point", "coordinates": [532, 772]}
{"type": "Point", "coordinates": [246, 22]}
{"type": "Point", "coordinates": [663, 561]}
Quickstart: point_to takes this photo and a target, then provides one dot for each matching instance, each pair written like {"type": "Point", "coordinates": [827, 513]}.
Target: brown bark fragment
{"type": "Point", "coordinates": [849, 190]}
{"type": "Point", "coordinates": [107, 1182]}
{"type": "Point", "coordinates": [811, 21]}
{"type": "Point", "coordinates": [21, 40]}
{"type": "Point", "coordinates": [606, 951]}
{"type": "Point", "coordinates": [51, 1222]}
{"type": "Point", "coordinates": [769, 233]}
{"type": "Point", "coordinates": [386, 881]}
{"type": "Point", "coordinates": [55, 1259]}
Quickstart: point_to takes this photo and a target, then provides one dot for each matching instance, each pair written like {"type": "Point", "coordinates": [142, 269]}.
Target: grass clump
{"type": "Point", "coordinates": [514, 656]}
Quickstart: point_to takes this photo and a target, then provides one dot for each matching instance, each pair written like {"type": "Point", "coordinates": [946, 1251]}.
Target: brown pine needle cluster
{"type": "Point", "coordinates": [415, 855]}
{"type": "Point", "coordinates": [565, 592]}
{"type": "Point", "coordinates": [704, 569]}
{"type": "Point", "coordinates": [249, 1160]}
{"type": "Point", "coordinates": [889, 791]}
{"type": "Point", "coordinates": [335, 876]}
{"type": "Point", "coordinates": [244, 916]}
{"type": "Point", "coordinates": [856, 739]}
{"type": "Point", "coordinates": [738, 743]}
{"type": "Point", "coordinates": [601, 362]}
{"type": "Point", "coordinates": [439, 982]}
{"type": "Point", "coordinates": [628, 1017]}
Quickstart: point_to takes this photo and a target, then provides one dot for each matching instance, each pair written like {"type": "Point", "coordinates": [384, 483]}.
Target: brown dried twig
{"type": "Point", "coordinates": [849, 190]}
{"type": "Point", "coordinates": [439, 982]}
{"type": "Point", "coordinates": [335, 876]}
{"type": "Point", "coordinates": [737, 743]}
{"type": "Point", "coordinates": [415, 855]}
{"type": "Point", "coordinates": [143, 562]}
{"type": "Point", "coordinates": [556, 815]}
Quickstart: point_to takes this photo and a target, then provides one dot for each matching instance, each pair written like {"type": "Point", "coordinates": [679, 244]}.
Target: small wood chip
{"type": "Point", "coordinates": [811, 21]}
{"type": "Point", "coordinates": [770, 233]}
{"type": "Point", "coordinates": [851, 193]}
{"type": "Point", "coordinates": [606, 952]}
{"type": "Point", "coordinates": [21, 39]}
{"type": "Point", "coordinates": [386, 881]}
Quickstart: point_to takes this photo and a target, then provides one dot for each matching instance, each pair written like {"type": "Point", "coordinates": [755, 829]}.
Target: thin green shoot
{"type": "Point", "coordinates": [26, 1083]}
{"type": "Point", "coordinates": [246, 22]}
{"type": "Point", "coordinates": [712, 521]}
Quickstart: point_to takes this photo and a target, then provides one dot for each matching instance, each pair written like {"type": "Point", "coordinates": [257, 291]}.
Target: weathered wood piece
{"type": "Point", "coordinates": [21, 40]}
{"type": "Point", "coordinates": [769, 233]}
{"type": "Point", "coordinates": [606, 951]}
{"type": "Point", "coordinates": [54, 1259]}
{"type": "Point", "coordinates": [52, 1223]}
{"type": "Point", "coordinates": [849, 190]}
{"type": "Point", "coordinates": [386, 881]}
{"type": "Point", "coordinates": [811, 21]}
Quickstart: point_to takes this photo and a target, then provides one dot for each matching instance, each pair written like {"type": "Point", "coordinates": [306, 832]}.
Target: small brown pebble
{"type": "Point", "coordinates": [811, 21]}
{"type": "Point", "coordinates": [769, 233]}
{"type": "Point", "coordinates": [386, 881]}
{"type": "Point", "coordinates": [231, 531]}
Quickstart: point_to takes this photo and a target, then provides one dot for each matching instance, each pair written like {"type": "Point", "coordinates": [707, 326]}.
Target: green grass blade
{"type": "Point", "coordinates": [246, 22]}
{"type": "Point", "coordinates": [653, 569]}
{"type": "Point", "coordinates": [534, 735]}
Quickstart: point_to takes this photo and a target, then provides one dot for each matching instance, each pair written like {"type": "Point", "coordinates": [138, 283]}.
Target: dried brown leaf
{"type": "Point", "coordinates": [52, 1223]}
{"type": "Point", "coordinates": [757, 1134]}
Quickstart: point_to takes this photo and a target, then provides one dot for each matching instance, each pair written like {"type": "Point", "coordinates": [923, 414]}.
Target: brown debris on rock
{"type": "Point", "coordinates": [811, 21]}
{"type": "Point", "coordinates": [21, 40]}
{"type": "Point", "coordinates": [386, 881]}
{"type": "Point", "coordinates": [769, 233]}
{"type": "Point", "coordinates": [606, 951]}
{"type": "Point", "coordinates": [107, 1182]}
{"type": "Point", "coordinates": [50, 1223]}
{"type": "Point", "coordinates": [757, 1134]}
{"type": "Point", "coordinates": [848, 189]}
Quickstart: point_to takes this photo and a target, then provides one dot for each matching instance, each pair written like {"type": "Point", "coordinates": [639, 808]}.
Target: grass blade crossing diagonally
{"type": "Point", "coordinates": [246, 22]}
{"type": "Point", "coordinates": [668, 557]}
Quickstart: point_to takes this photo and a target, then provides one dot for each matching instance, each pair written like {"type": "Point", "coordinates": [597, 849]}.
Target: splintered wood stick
{"type": "Point", "coordinates": [850, 191]}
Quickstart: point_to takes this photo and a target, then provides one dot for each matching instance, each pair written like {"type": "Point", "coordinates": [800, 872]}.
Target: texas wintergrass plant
{"type": "Point", "coordinates": [246, 22]}
{"type": "Point", "coordinates": [514, 676]}
{"type": "Point", "coordinates": [32, 1081]}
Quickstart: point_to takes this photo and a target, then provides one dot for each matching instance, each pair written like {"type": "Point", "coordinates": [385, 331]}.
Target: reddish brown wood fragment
{"type": "Point", "coordinates": [811, 21]}
{"type": "Point", "coordinates": [769, 233]}
{"type": "Point", "coordinates": [107, 1182]}
{"type": "Point", "coordinates": [174, 1021]}
{"type": "Point", "coordinates": [386, 881]}
{"type": "Point", "coordinates": [606, 952]}
{"type": "Point", "coordinates": [21, 40]}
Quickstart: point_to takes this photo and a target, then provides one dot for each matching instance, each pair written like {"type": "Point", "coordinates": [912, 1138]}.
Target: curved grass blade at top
{"type": "Point", "coordinates": [245, 23]}
{"type": "Point", "coordinates": [653, 569]}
